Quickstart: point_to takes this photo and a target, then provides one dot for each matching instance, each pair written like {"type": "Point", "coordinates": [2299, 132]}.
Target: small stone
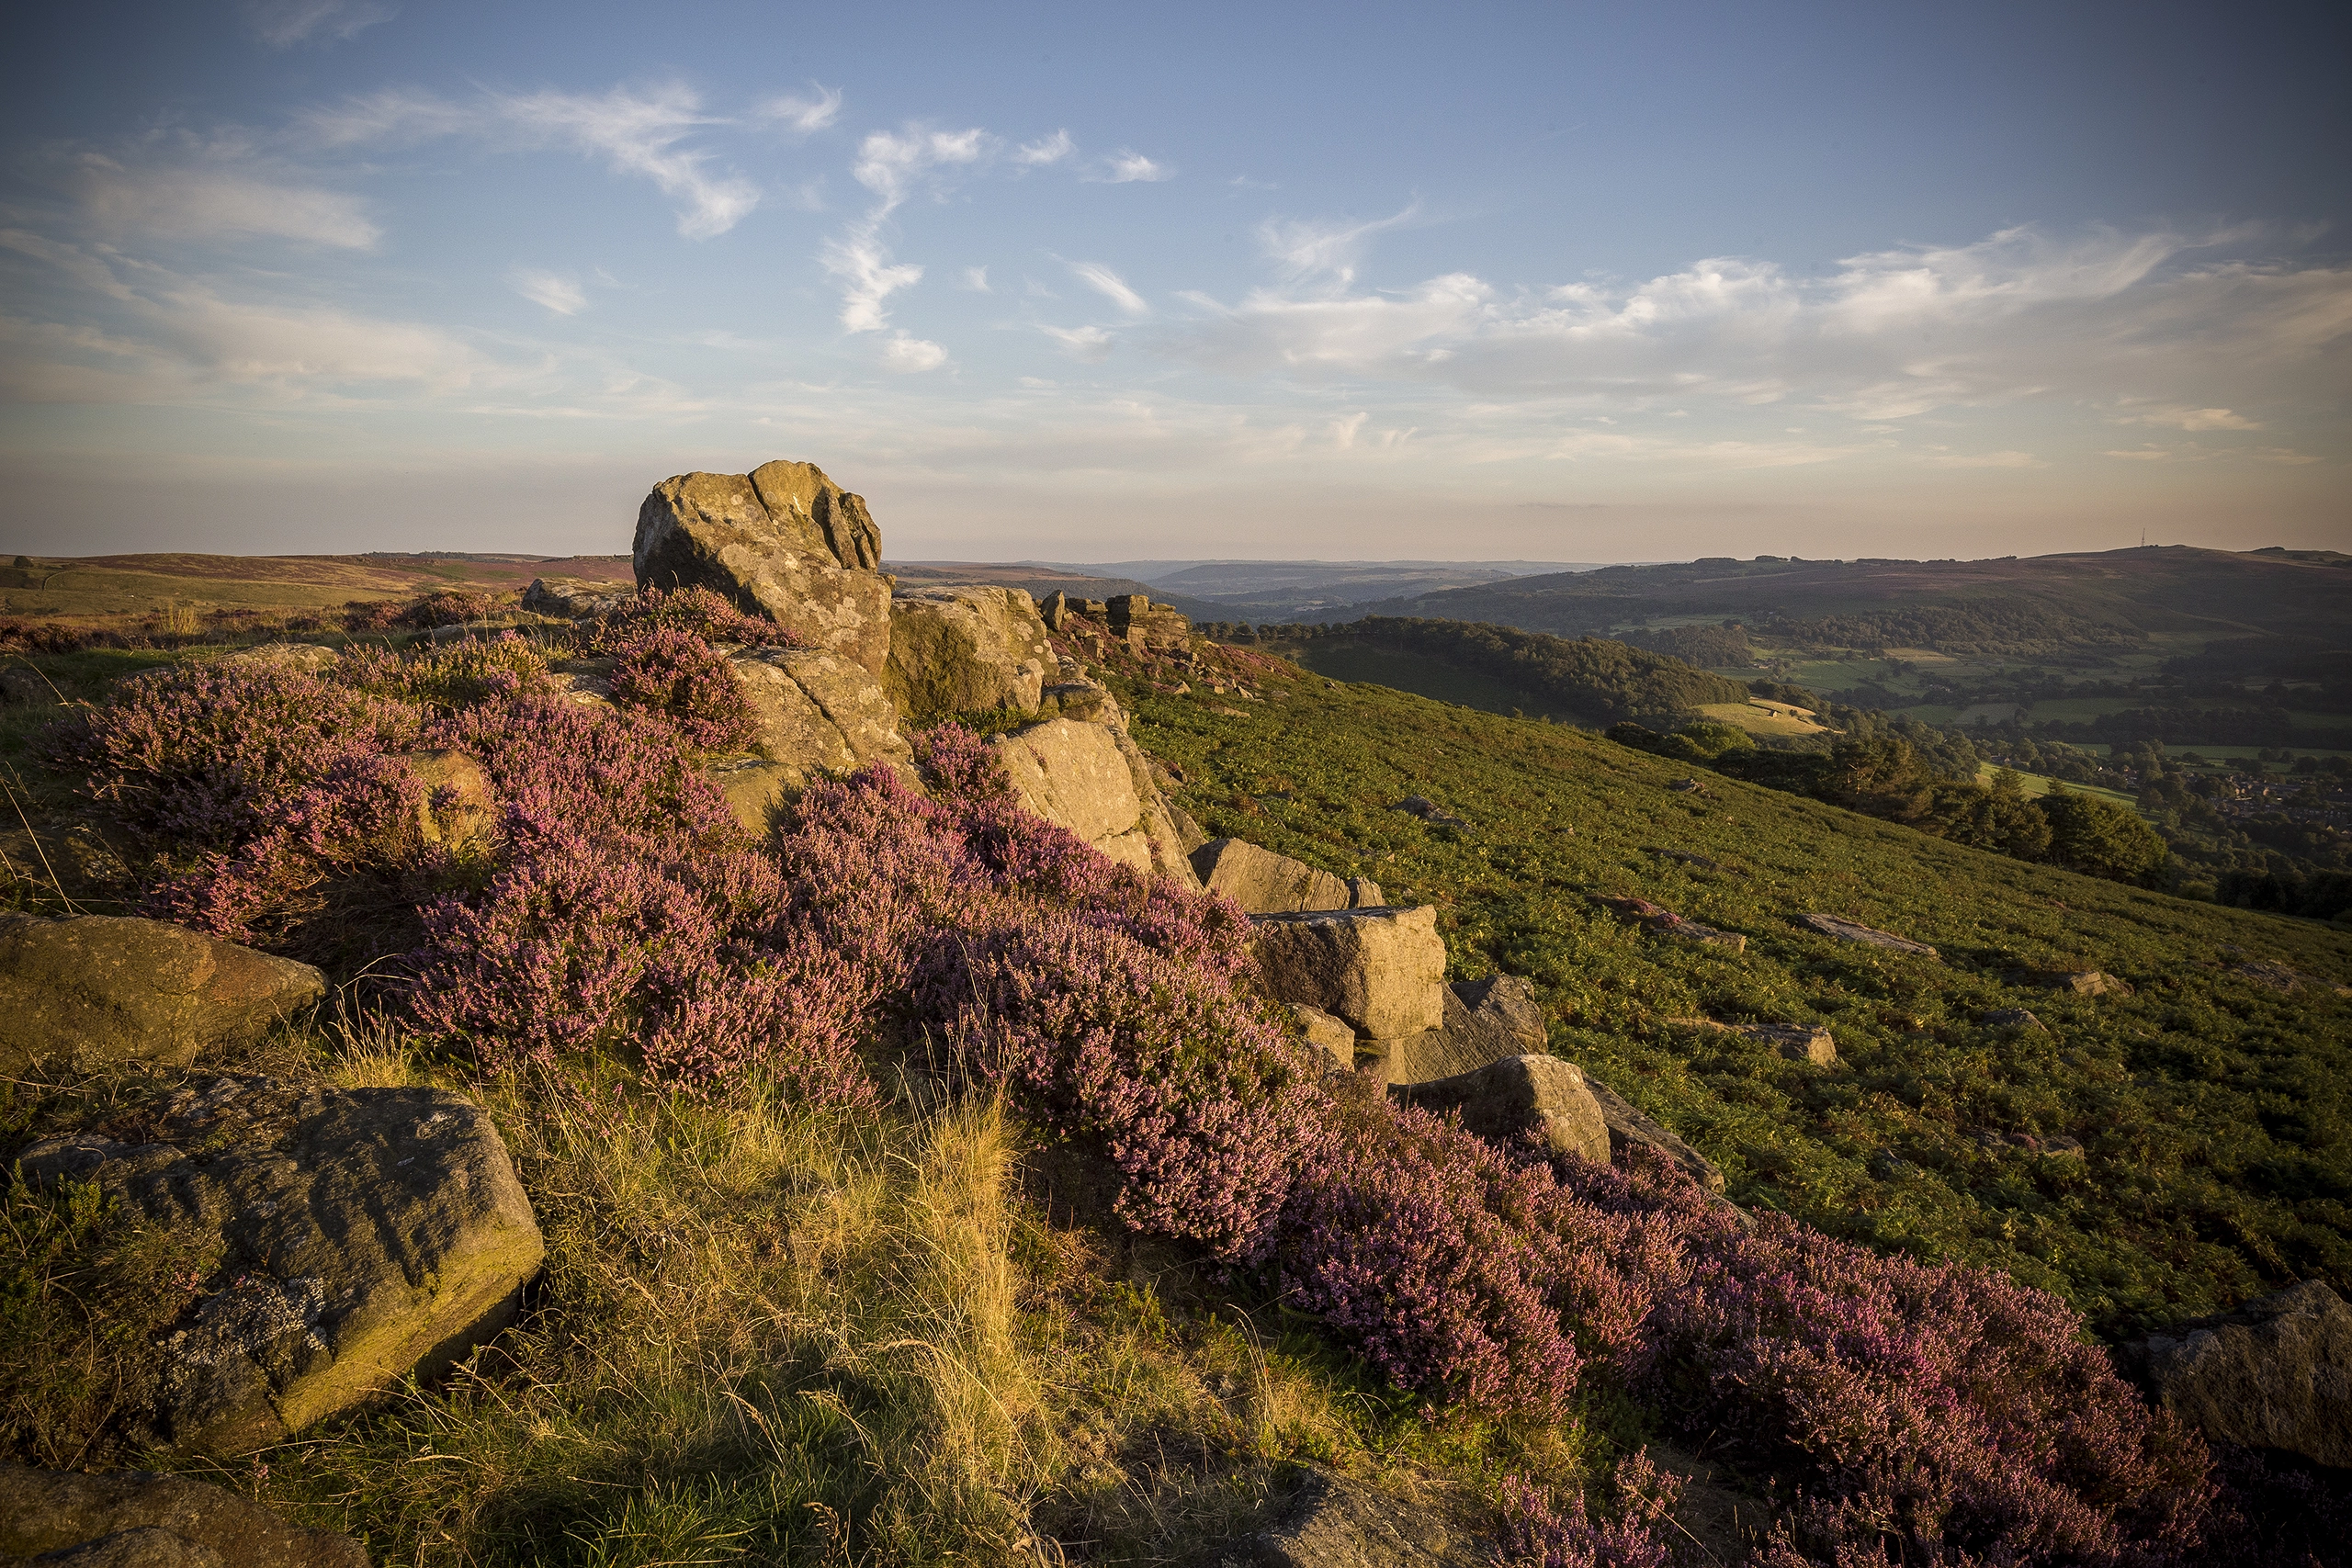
{"type": "Point", "coordinates": [2073, 982]}
{"type": "Point", "coordinates": [2011, 1018]}
{"type": "Point", "coordinates": [1326, 1034]}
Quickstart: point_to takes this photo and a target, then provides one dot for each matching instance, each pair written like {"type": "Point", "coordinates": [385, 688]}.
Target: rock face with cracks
{"type": "Point", "coordinates": [140, 1520]}
{"type": "Point", "coordinates": [1485, 1021]}
{"type": "Point", "coordinates": [1093, 780]}
{"type": "Point", "coordinates": [967, 649]}
{"type": "Point", "coordinates": [99, 989]}
{"type": "Point", "coordinates": [1265, 883]}
{"type": "Point", "coordinates": [363, 1235]}
{"type": "Point", "coordinates": [815, 712]}
{"type": "Point", "coordinates": [1542, 1096]}
{"type": "Point", "coordinates": [1379, 971]}
{"type": "Point", "coordinates": [2276, 1374]}
{"type": "Point", "coordinates": [782, 541]}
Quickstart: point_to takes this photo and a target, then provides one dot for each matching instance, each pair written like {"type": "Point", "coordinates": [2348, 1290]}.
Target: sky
{"type": "Point", "coordinates": [1083, 283]}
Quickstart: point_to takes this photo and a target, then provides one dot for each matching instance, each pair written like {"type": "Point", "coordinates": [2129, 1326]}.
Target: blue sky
{"type": "Point", "coordinates": [1556, 282]}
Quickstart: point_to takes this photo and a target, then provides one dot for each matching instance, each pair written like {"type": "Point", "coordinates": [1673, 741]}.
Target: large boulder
{"type": "Point", "coordinates": [1542, 1096]}
{"type": "Point", "coordinates": [2276, 1373]}
{"type": "Point", "coordinates": [1263, 882]}
{"type": "Point", "coordinates": [96, 990]}
{"type": "Point", "coordinates": [1485, 1021]}
{"type": "Point", "coordinates": [575, 597]}
{"type": "Point", "coordinates": [966, 648]}
{"type": "Point", "coordinates": [1380, 971]}
{"type": "Point", "coordinates": [815, 712]}
{"type": "Point", "coordinates": [782, 541]}
{"type": "Point", "coordinates": [140, 1520]}
{"type": "Point", "coordinates": [1145, 626]}
{"type": "Point", "coordinates": [363, 1236]}
{"type": "Point", "coordinates": [1094, 781]}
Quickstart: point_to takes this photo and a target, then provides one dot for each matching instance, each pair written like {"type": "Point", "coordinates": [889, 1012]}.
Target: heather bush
{"type": "Point", "coordinates": [449, 607]}
{"type": "Point", "coordinates": [1540, 1531]}
{"type": "Point", "coordinates": [696, 611]}
{"type": "Point", "coordinates": [668, 671]}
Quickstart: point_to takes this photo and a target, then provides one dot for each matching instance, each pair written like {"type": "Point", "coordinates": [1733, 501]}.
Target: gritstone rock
{"type": "Point", "coordinates": [1846, 930]}
{"type": "Point", "coordinates": [1145, 626]}
{"type": "Point", "coordinates": [1628, 1128]}
{"type": "Point", "coordinates": [2073, 982]}
{"type": "Point", "coordinates": [1485, 1021]}
{"type": "Point", "coordinates": [22, 686]}
{"type": "Point", "coordinates": [1363, 893]}
{"type": "Point", "coordinates": [1797, 1042]}
{"type": "Point", "coordinates": [363, 1235]}
{"type": "Point", "coordinates": [458, 804]}
{"type": "Point", "coordinates": [1080, 700]}
{"type": "Point", "coordinates": [967, 649]}
{"type": "Point", "coordinates": [1665, 922]}
{"type": "Point", "coordinates": [1381, 971]}
{"type": "Point", "coordinates": [1326, 1034]}
{"type": "Point", "coordinates": [1337, 1523]}
{"type": "Point", "coordinates": [815, 712]}
{"type": "Point", "coordinates": [782, 541]}
{"type": "Point", "coordinates": [1263, 882]}
{"type": "Point", "coordinates": [1093, 780]}
{"type": "Point", "coordinates": [2011, 1018]}
{"type": "Point", "coordinates": [138, 1519]}
{"type": "Point", "coordinates": [2276, 1374]}
{"type": "Point", "coordinates": [575, 597]}
{"type": "Point", "coordinates": [1542, 1095]}
{"type": "Point", "coordinates": [98, 989]}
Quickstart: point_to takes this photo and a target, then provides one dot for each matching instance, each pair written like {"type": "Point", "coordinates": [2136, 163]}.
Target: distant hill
{"type": "Point", "coordinates": [1041, 578]}
{"type": "Point", "coordinates": [1310, 591]}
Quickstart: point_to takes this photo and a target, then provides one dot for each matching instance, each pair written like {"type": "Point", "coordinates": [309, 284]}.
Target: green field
{"type": "Point", "coordinates": [2217, 1116]}
{"type": "Point", "coordinates": [1415, 673]}
{"type": "Point", "coordinates": [2036, 785]}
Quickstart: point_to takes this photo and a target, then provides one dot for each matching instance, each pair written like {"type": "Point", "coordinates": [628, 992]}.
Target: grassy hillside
{"type": "Point", "coordinates": [2214, 1113]}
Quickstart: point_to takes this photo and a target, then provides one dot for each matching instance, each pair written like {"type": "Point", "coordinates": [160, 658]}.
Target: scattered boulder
{"type": "Point", "coordinates": [1429, 811]}
{"type": "Point", "coordinates": [1797, 1042]}
{"type": "Point", "coordinates": [575, 597]}
{"type": "Point", "coordinates": [1381, 971]}
{"type": "Point", "coordinates": [754, 790]}
{"type": "Point", "coordinates": [1847, 930]}
{"type": "Point", "coordinates": [1485, 1021]}
{"type": "Point", "coordinates": [22, 686]}
{"type": "Point", "coordinates": [460, 806]}
{"type": "Point", "coordinates": [1326, 1034]}
{"type": "Point", "coordinates": [96, 990]}
{"type": "Point", "coordinates": [1263, 882]}
{"type": "Point", "coordinates": [365, 1234]}
{"type": "Point", "coordinates": [140, 1520]}
{"type": "Point", "coordinates": [308, 656]}
{"type": "Point", "coordinates": [1628, 1128]}
{"type": "Point", "coordinates": [2073, 982]}
{"type": "Point", "coordinates": [817, 710]}
{"type": "Point", "coordinates": [1331, 1522]}
{"type": "Point", "coordinates": [966, 648]}
{"type": "Point", "coordinates": [782, 541]}
{"type": "Point", "coordinates": [2011, 1018]}
{"type": "Point", "coordinates": [1537, 1095]}
{"type": "Point", "coordinates": [2274, 977]}
{"type": "Point", "coordinates": [2276, 1373]}
{"type": "Point", "coordinates": [1665, 923]}
{"type": "Point", "coordinates": [1093, 780]}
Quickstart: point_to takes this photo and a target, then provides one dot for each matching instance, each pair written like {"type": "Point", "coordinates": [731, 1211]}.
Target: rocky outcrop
{"type": "Point", "coordinates": [1145, 626]}
{"type": "Point", "coordinates": [140, 1520]}
{"type": "Point", "coordinates": [816, 712]}
{"type": "Point", "coordinates": [1331, 1522]}
{"type": "Point", "coordinates": [574, 597]}
{"type": "Point", "coordinates": [1264, 883]}
{"type": "Point", "coordinates": [965, 649]}
{"type": "Point", "coordinates": [1533, 1096]}
{"type": "Point", "coordinates": [1326, 1034]}
{"type": "Point", "coordinates": [1379, 971]}
{"type": "Point", "coordinates": [1080, 700]}
{"type": "Point", "coordinates": [1629, 1129]}
{"type": "Point", "coordinates": [2276, 1373]}
{"type": "Point", "coordinates": [1485, 1021]}
{"type": "Point", "coordinates": [1797, 1042]}
{"type": "Point", "coordinates": [1847, 930]}
{"type": "Point", "coordinates": [1094, 781]}
{"type": "Point", "coordinates": [96, 990]}
{"type": "Point", "coordinates": [364, 1236]}
{"type": "Point", "coordinates": [2072, 982]}
{"type": "Point", "coordinates": [782, 541]}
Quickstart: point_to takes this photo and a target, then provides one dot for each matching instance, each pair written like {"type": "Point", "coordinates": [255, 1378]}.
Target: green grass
{"type": "Point", "coordinates": [1418, 673]}
{"type": "Point", "coordinates": [2037, 784]}
{"type": "Point", "coordinates": [2215, 1113]}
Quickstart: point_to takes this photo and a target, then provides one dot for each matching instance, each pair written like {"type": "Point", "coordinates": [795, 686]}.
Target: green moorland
{"type": "Point", "coordinates": [2214, 1113]}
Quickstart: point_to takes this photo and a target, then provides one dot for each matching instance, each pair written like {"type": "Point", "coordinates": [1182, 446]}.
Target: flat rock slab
{"type": "Point", "coordinates": [1797, 1042]}
{"type": "Point", "coordinates": [1520, 1096]}
{"type": "Point", "coordinates": [96, 990]}
{"type": "Point", "coordinates": [1666, 923]}
{"type": "Point", "coordinates": [1847, 930]}
{"type": "Point", "coordinates": [1381, 971]}
{"type": "Point", "coordinates": [1485, 1021]}
{"type": "Point", "coordinates": [1331, 1522]}
{"type": "Point", "coordinates": [575, 596]}
{"type": "Point", "coordinates": [1628, 1128]}
{"type": "Point", "coordinates": [966, 648]}
{"type": "Point", "coordinates": [363, 1235]}
{"type": "Point", "coordinates": [138, 1517]}
{"type": "Point", "coordinates": [2276, 1374]}
{"type": "Point", "coordinates": [1265, 883]}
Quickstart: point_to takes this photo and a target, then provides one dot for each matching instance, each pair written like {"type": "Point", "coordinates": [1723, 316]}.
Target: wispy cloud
{"type": "Point", "coordinates": [911, 355]}
{"type": "Point", "coordinates": [1309, 249]}
{"type": "Point", "coordinates": [890, 163]}
{"type": "Point", "coordinates": [1088, 343]}
{"type": "Point", "coordinates": [815, 112]}
{"type": "Point", "coordinates": [1125, 167]}
{"type": "Point", "coordinates": [198, 194]}
{"type": "Point", "coordinates": [868, 277]}
{"type": "Point", "coordinates": [282, 24]}
{"type": "Point", "coordinates": [1984, 460]}
{"type": "Point", "coordinates": [556, 292]}
{"type": "Point", "coordinates": [1111, 285]}
{"type": "Point", "coordinates": [2190, 419]}
{"type": "Point", "coordinates": [976, 280]}
{"type": "Point", "coordinates": [1047, 149]}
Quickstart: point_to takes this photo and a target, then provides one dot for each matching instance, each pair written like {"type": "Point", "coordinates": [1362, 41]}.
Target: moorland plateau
{"type": "Point", "coordinates": [727, 1054]}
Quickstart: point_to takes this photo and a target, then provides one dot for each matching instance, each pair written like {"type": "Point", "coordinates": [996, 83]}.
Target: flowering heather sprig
{"type": "Point", "coordinates": [696, 611]}
{"type": "Point", "coordinates": [448, 607]}
{"type": "Point", "coordinates": [1539, 1531]}
{"type": "Point", "coordinates": [674, 673]}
